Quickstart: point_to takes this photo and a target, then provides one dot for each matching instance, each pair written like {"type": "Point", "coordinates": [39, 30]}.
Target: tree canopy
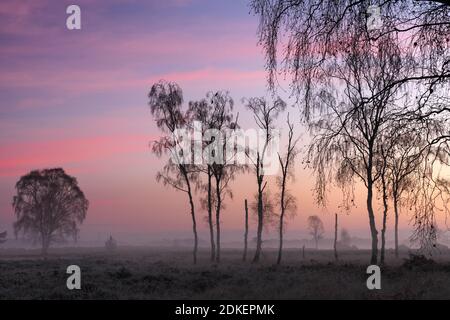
{"type": "Point", "coordinates": [49, 206]}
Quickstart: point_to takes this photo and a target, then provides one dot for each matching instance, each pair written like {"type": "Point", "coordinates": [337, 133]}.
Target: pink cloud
{"type": "Point", "coordinates": [175, 43]}
{"type": "Point", "coordinates": [19, 158]}
{"type": "Point", "coordinates": [78, 82]}
{"type": "Point", "coordinates": [212, 75]}
{"type": "Point", "coordinates": [19, 17]}
{"type": "Point", "coordinates": [21, 8]}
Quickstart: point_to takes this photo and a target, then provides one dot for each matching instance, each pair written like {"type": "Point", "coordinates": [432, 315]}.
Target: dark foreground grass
{"type": "Point", "coordinates": [148, 273]}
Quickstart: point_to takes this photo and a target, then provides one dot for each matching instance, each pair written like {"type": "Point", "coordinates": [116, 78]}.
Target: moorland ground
{"type": "Point", "coordinates": [168, 273]}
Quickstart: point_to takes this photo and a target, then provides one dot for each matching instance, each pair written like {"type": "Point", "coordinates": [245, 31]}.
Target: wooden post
{"type": "Point", "coordinates": [335, 237]}
{"type": "Point", "coordinates": [246, 232]}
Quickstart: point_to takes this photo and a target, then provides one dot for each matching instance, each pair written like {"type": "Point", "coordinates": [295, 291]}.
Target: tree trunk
{"type": "Point", "coordinates": [396, 225]}
{"type": "Point", "coordinates": [260, 229]}
{"type": "Point", "coordinates": [372, 224]}
{"type": "Point", "coordinates": [280, 248]}
{"type": "Point", "coordinates": [260, 215]}
{"type": "Point", "coordinates": [383, 229]}
{"type": "Point", "coordinates": [194, 228]}
{"type": "Point", "coordinates": [373, 229]}
{"type": "Point", "coordinates": [219, 203]}
{"type": "Point", "coordinates": [194, 222]}
{"type": "Point", "coordinates": [335, 237]}
{"type": "Point", "coordinates": [45, 246]}
{"type": "Point", "coordinates": [210, 218]}
{"type": "Point", "coordinates": [244, 258]}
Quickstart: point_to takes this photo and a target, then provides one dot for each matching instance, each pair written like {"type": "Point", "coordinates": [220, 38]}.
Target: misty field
{"type": "Point", "coordinates": [156, 273]}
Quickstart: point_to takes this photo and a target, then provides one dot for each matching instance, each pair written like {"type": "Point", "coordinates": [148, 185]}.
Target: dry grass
{"type": "Point", "coordinates": [152, 273]}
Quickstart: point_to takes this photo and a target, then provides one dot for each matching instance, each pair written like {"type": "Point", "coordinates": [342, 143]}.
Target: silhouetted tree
{"type": "Point", "coordinates": [287, 200]}
{"type": "Point", "coordinates": [316, 229]}
{"type": "Point", "coordinates": [208, 203]}
{"type": "Point", "coordinates": [264, 115]}
{"type": "Point", "coordinates": [315, 33]}
{"type": "Point", "coordinates": [201, 111]}
{"type": "Point", "coordinates": [319, 35]}
{"type": "Point", "coordinates": [49, 206]}
{"type": "Point", "coordinates": [349, 136]}
{"type": "Point", "coordinates": [268, 208]}
{"type": "Point", "coordinates": [407, 156]}
{"type": "Point", "coordinates": [224, 169]}
{"type": "Point", "coordinates": [403, 155]}
{"type": "Point", "coordinates": [165, 101]}
{"type": "Point", "coordinates": [383, 165]}
{"type": "Point", "coordinates": [216, 114]}
{"type": "Point", "coordinates": [402, 167]}
{"type": "Point", "coordinates": [428, 197]}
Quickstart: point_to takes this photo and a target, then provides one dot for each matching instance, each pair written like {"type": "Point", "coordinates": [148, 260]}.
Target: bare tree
{"type": "Point", "coordinates": [349, 135]}
{"type": "Point", "coordinates": [201, 111]}
{"type": "Point", "coordinates": [428, 197]}
{"type": "Point", "coordinates": [383, 163]}
{"type": "Point", "coordinates": [209, 205]}
{"type": "Point", "coordinates": [402, 157]}
{"type": "Point", "coordinates": [49, 206]}
{"type": "Point", "coordinates": [264, 115]}
{"type": "Point", "coordinates": [387, 166]}
{"type": "Point", "coordinates": [287, 200]}
{"type": "Point", "coordinates": [407, 156]}
{"type": "Point", "coordinates": [316, 229]}
{"type": "Point", "coordinates": [317, 35]}
{"type": "Point", "coordinates": [225, 169]}
{"type": "Point", "coordinates": [165, 101]}
{"type": "Point", "coordinates": [314, 34]}
{"type": "Point", "coordinates": [270, 214]}
{"type": "Point", "coordinates": [217, 116]}
{"type": "Point", "coordinates": [215, 113]}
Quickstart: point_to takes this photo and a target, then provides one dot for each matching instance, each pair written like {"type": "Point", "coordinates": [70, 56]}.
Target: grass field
{"type": "Point", "coordinates": [156, 273]}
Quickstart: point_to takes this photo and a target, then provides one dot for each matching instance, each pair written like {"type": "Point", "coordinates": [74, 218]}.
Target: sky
{"type": "Point", "coordinates": [77, 99]}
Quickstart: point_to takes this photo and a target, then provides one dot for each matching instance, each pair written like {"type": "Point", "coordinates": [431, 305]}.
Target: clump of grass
{"type": "Point", "coordinates": [122, 273]}
{"type": "Point", "coordinates": [418, 261]}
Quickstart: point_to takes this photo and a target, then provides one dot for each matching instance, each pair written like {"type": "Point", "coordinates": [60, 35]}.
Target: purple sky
{"type": "Point", "coordinates": [78, 99]}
